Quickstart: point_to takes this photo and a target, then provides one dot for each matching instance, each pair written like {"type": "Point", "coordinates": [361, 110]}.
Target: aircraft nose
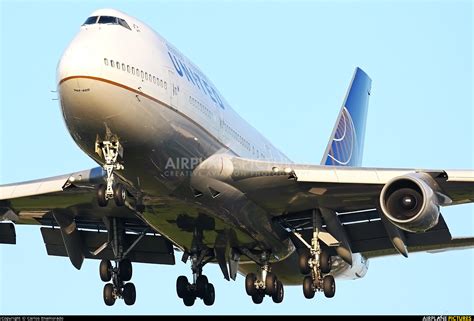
{"type": "Point", "coordinates": [81, 57]}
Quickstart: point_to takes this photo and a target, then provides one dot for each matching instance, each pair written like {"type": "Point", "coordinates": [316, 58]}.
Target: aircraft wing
{"type": "Point", "coordinates": [66, 205]}
{"type": "Point", "coordinates": [284, 188]}
{"type": "Point", "coordinates": [34, 198]}
{"type": "Point", "coordinates": [288, 191]}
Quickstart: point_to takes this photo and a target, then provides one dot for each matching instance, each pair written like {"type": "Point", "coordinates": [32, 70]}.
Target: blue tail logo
{"type": "Point", "coordinates": [346, 145]}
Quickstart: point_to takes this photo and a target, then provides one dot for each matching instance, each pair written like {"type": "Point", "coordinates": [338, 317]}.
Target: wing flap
{"type": "Point", "coordinates": [7, 233]}
{"type": "Point", "coordinates": [150, 249]}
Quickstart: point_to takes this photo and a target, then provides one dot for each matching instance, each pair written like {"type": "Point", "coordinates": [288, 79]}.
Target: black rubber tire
{"type": "Point", "coordinates": [201, 284]}
{"type": "Point", "coordinates": [257, 298]}
{"type": "Point", "coordinates": [120, 194]}
{"type": "Point", "coordinates": [101, 200]}
{"type": "Point", "coordinates": [303, 262]}
{"type": "Point", "coordinates": [325, 262]}
{"type": "Point", "coordinates": [250, 284]}
{"type": "Point", "coordinates": [270, 283]}
{"type": "Point", "coordinates": [105, 270]}
{"type": "Point", "coordinates": [209, 295]}
{"type": "Point", "coordinates": [182, 286]}
{"type": "Point", "coordinates": [279, 294]}
{"type": "Point", "coordinates": [308, 287]}
{"type": "Point", "coordinates": [189, 299]}
{"type": "Point", "coordinates": [329, 286]}
{"type": "Point", "coordinates": [125, 270]}
{"type": "Point", "coordinates": [108, 293]}
{"type": "Point", "coordinates": [129, 293]}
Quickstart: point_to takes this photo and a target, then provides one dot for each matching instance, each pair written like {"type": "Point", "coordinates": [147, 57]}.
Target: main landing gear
{"type": "Point", "coordinates": [110, 150]}
{"type": "Point", "coordinates": [315, 261]}
{"type": "Point", "coordinates": [121, 271]}
{"type": "Point", "coordinates": [267, 284]}
{"type": "Point", "coordinates": [118, 288]}
{"type": "Point", "coordinates": [199, 255]}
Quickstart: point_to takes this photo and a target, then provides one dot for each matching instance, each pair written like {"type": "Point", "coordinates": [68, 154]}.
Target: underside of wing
{"type": "Point", "coordinates": [380, 210]}
{"type": "Point", "coordinates": [75, 225]}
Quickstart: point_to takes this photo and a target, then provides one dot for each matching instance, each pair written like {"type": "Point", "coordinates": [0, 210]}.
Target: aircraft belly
{"type": "Point", "coordinates": [156, 138]}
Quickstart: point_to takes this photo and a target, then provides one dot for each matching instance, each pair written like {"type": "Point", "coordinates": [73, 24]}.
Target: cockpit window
{"type": "Point", "coordinates": [90, 20]}
{"type": "Point", "coordinates": [123, 23]}
{"type": "Point", "coordinates": [107, 19]}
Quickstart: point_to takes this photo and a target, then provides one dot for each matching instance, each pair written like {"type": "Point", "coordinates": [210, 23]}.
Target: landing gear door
{"type": "Point", "coordinates": [173, 89]}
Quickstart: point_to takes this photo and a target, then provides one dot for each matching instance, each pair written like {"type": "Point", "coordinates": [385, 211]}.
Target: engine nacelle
{"type": "Point", "coordinates": [411, 202]}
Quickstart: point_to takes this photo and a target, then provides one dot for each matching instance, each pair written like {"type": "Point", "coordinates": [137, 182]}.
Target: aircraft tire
{"type": "Point", "coordinates": [308, 287]}
{"type": "Point", "coordinates": [101, 200]}
{"type": "Point", "coordinates": [129, 293]}
{"type": "Point", "coordinates": [329, 286]}
{"type": "Point", "coordinates": [109, 298]}
{"type": "Point", "coordinates": [105, 270]}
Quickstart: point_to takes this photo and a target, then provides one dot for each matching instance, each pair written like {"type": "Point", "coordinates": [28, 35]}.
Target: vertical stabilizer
{"type": "Point", "coordinates": [346, 145]}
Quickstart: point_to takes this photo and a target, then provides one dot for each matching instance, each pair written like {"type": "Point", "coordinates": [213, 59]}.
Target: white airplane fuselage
{"type": "Point", "coordinates": [132, 85]}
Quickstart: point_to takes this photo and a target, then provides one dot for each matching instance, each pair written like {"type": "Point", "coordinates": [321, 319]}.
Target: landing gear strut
{"type": "Point", "coordinates": [267, 284]}
{"type": "Point", "coordinates": [120, 272]}
{"type": "Point", "coordinates": [199, 255]}
{"type": "Point", "coordinates": [110, 150]}
{"type": "Point", "coordinates": [316, 262]}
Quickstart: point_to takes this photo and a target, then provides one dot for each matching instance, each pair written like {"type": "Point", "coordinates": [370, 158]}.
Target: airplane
{"type": "Point", "coordinates": [180, 169]}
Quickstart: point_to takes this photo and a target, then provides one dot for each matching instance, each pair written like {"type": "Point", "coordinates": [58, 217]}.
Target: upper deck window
{"type": "Point", "coordinates": [90, 20]}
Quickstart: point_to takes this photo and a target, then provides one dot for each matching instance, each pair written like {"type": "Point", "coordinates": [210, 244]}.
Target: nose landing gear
{"type": "Point", "coordinates": [110, 150]}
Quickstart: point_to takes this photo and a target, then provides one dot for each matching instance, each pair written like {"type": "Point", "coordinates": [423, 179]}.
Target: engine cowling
{"type": "Point", "coordinates": [410, 202]}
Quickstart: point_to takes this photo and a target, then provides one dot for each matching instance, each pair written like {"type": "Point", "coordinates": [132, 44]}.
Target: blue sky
{"type": "Point", "coordinates": [285, 67]}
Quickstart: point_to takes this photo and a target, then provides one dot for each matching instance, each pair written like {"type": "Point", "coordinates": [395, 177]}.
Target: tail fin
{"type": "Point", "coordinates": [346, 145]}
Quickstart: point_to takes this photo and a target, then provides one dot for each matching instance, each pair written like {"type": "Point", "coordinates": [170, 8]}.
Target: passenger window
{"type": "Point", "coordinates": [138, 72]}
{"type": "Point", "coordinates": [146, 76]}
{"type": "Point", "coordinates": [123, 66]}
{"type": "Point", "coordinates": [112, 63]}
{"type": "Point", "coordinates": [128, 68]}
{"type": "Point", "coordinates": [141, 73]}
{"type": "Point", "coordinates": [161, 83]}
{"type": "Point", "coordinates": [106, 61]}
{"type": "Point", "coordinates": [133, 70]}
{"type": "Point", "coordinates": [118, 65]}
{"type": "Point", "coordinates": [164, 83]}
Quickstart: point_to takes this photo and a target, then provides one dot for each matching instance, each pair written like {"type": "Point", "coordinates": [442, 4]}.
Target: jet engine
{"type": "Point", "coordinates": [411, 202]}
